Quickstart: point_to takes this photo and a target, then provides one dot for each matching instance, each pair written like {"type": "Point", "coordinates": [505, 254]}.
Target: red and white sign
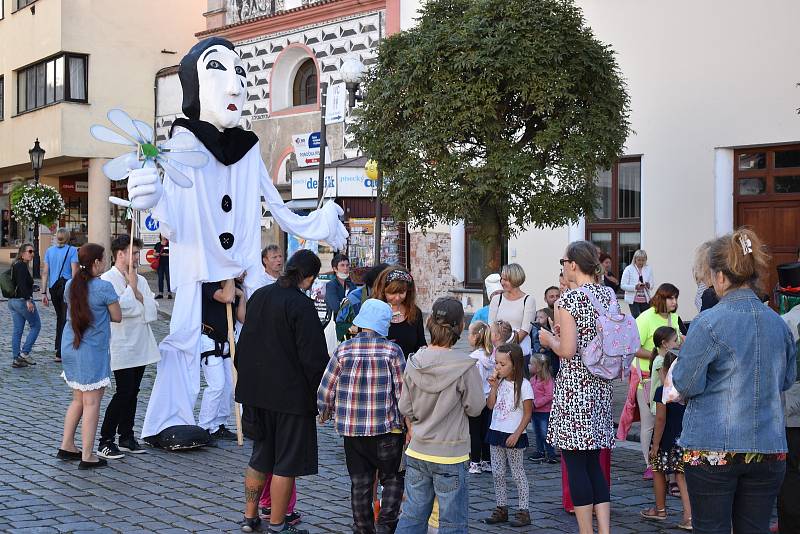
{"type": "Point", "coordinates": [148, 257]}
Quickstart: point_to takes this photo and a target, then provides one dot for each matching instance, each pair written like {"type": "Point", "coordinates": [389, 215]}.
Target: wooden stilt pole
{"type": "Point", "coordinates": [232, 345]}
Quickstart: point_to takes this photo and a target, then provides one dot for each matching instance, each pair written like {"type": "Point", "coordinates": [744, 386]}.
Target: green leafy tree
{"type": "Point", "coordinates": [496, 112]}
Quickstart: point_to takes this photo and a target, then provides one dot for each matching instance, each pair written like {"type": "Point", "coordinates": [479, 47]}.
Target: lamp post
{"type": "Point", "coordinates": [352, 72]}
{"type": "Point", "coordinates": [37, 159]}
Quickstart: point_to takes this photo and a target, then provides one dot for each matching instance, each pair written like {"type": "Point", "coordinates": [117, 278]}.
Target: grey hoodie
{"type": "Point", "coordinates": [441, 387]}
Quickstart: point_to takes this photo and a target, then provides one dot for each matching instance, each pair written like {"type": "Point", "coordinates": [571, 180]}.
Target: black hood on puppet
{"type": "Point", "coordinates": [228, 146]}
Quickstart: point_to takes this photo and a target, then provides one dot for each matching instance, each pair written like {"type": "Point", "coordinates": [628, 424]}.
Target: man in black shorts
{"type": "Point", "coordinates": [281, 356]}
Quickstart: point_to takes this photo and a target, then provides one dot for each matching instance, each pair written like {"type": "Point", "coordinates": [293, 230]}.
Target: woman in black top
{"type": "Point", "coordinates": [609, 279]}
{"type": "Point", "coordinates": [162, 253]}
{"type": "Point", "coordinates": [395, 286]}
{"type": "Point", "coordinates": [23, 309]}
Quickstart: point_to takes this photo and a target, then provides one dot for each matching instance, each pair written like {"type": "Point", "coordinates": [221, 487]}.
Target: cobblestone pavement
{"type": "Point", "coordinates": [201, 491]}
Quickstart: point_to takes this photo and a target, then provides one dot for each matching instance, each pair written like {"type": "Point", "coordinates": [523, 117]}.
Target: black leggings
{"type": "Point", "coordinates": [587, 484]}
{"type": "Point", "coordinates": [478, 428]}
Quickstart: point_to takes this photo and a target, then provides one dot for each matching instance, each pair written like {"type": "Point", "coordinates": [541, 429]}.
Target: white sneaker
{"type": "Point", "coordinates": [486, 467]}
{"type": "Point", "coordinates": [474, 468]}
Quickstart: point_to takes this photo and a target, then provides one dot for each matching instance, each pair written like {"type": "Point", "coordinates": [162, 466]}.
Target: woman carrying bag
{"type": "Point", "coordinates": [516, 307]}
{"type": "Point", "coordinates": [59, 266]}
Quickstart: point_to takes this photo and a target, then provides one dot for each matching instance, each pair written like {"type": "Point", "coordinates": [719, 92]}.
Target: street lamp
{"type": "Point", "coordinates": [352, 71]}
{"type": "Point", "coordinates": [37, 159]}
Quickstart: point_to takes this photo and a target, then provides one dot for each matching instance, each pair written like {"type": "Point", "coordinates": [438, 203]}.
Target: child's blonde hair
{"type": "Point", "coordinates": [483, 336]}
{"type": "Point", "coordinates": [545, 371]}
{"type": "Point", "coordinates": [502, 329]}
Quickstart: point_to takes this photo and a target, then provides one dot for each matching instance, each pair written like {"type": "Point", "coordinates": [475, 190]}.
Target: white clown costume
{"type": "Point", "coordinates": [214, 227]}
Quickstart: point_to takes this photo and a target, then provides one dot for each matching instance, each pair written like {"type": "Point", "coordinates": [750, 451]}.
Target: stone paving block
{"type": "Point", "coordinates": [81, 525]}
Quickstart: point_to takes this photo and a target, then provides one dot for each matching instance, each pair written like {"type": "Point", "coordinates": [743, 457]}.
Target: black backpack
{"type": "Point", "coordinates": [8, 286]}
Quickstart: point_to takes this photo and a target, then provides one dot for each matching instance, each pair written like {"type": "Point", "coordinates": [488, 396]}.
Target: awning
{"type": "Point", "coordinates": [302, 204]}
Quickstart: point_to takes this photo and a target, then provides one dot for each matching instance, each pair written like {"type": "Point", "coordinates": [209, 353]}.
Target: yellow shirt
{"type": "Point", "coordinates": [444, 460]}
{"type": "Point", "coordinates": [648, 322]}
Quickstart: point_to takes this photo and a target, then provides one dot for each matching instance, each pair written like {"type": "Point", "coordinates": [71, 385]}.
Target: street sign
{"type": "Point", "coordinates": [150, 223]}
{"type": "Point", "coordinates": [306, 149]}
{"type": "Point", "coordinates": [147, 256]}
{"type": "Point", "coordinates": [335, 105]}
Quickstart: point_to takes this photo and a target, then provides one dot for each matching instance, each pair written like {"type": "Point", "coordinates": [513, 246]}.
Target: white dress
{"type": "Point", "coordinates": [214, 228]}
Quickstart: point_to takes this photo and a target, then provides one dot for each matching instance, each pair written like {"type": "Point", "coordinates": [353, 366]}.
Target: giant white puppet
{"type": "Point", "coordinates": [214, 226]}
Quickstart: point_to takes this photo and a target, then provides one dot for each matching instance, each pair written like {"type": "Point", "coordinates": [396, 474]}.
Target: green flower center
{"type": "Point", "coordinates": [149, 150]}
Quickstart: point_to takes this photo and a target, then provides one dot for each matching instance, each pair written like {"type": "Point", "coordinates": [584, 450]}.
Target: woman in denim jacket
{"type": "Point", "coordinates": [737, 359]}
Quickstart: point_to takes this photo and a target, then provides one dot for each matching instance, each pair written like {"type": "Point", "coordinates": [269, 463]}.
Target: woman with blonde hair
{"type": "Point", "coordinates": [59, 266]}
{"type": "Point", "coordinates": [732, 369]}
{"type": "Point", "coordinates": [515, 306]}
{"type": "Point", "coordinates": [395, 286]}
{"type": "Point", "coordinates": [637, 282]}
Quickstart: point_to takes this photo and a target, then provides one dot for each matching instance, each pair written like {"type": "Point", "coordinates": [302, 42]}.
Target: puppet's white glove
{"type": "Point", "coordinates": [337, 233]}
{"type": "Point", "coordinates": [144, 188]}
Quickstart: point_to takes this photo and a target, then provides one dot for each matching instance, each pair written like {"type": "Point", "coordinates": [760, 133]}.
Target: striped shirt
{"type": "Point", "coordinates": [361, 386]}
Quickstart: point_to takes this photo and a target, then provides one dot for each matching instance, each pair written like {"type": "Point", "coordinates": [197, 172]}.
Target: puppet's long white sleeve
{"type": "Point", "coordinates": [319, 225]}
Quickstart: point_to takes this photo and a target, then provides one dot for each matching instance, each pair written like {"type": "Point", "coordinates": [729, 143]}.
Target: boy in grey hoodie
{"type": "Point", "coordinates": [441, 388]}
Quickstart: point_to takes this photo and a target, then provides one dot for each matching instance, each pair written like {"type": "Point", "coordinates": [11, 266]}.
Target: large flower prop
{"type": "Point", "coordinates": [180, 148]}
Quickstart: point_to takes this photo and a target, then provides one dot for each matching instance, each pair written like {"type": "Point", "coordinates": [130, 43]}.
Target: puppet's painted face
{"type": "Point", "coordinates": [221, 79]}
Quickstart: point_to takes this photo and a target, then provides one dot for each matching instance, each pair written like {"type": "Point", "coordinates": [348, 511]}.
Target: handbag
{"type": "Point", "coordinates": [155, 263]}
{"type": "Point", "coordinates": [57, 289]}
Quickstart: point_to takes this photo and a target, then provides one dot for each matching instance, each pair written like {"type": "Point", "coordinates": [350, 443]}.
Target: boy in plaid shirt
{"type": "Point", "coordinates": [360, 390]}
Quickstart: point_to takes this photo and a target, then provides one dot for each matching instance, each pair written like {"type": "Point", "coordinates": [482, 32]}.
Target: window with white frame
{"type": "Point", "coordinates": [2, 96]}
{"type": "Point", "coordinates": [61, 78]}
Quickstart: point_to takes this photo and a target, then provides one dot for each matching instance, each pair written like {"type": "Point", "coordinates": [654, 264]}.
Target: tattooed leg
{"type": "Point", "coordinates": [253, 485]}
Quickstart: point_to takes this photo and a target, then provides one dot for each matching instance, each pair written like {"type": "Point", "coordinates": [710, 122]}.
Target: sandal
{"type": "Point", "coordinates": [653, 514]}
{"type": "Point", "coordinates": [674, 489]}
{"type": "Point", "coordinates": [685, 525]}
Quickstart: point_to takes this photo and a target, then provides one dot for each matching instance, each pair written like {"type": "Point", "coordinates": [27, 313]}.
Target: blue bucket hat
{"type": "Point", "coordinates": [375, 315]}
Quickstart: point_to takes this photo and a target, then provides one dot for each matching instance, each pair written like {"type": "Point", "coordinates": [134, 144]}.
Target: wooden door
{"type": "Point", "coordinates": [778, 224]}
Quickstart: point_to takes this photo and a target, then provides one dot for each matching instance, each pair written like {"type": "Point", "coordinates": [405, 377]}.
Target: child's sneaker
{"type": "Point", "coordinates": [486, 466]}
{"type": "Point", "coordinates": [474, 468]}
{"type": "Point", "coordinates": [499, 515]}
{"type": "Point", "coordinates": [521, 519]}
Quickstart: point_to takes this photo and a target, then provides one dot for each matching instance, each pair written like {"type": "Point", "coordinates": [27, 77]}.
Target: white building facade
{"type": "Point", "coordinates": [715, 140]}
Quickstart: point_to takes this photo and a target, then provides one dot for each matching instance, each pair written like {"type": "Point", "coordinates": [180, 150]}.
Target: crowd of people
{"type": "Point", "coordinates": [418, 416]}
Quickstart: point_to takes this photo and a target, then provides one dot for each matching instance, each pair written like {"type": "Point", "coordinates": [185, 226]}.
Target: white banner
{"type": "Point", "coordinates": [335, 103]}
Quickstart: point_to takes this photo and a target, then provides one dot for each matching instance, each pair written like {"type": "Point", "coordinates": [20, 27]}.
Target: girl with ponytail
{"type": "Point", "coordinates": [86, 358]}
{"type": "Point", "coordinates": [733, 366]}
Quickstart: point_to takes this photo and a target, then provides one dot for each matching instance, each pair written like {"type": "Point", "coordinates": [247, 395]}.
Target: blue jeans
{"type": "Point", "coordinates": [540, 421]}
{"type": "Point", "coordinates": [20, 314]}
{"type": "Point", "coordinates": [426, 480]}
{"type": "Point", "coordinates": [741, 495]}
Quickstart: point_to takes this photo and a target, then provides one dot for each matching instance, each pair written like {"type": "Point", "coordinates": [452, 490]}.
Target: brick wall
{"type": "Point", "coordinates": [430, 266]}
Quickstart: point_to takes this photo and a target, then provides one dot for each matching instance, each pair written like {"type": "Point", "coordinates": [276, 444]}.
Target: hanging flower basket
{"type": "Point", "coordinates": [36, 202]}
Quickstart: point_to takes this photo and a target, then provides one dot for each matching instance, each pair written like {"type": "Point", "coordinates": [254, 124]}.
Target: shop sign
{"type": "Point", "coordinates": [305, 184]}
{"type": "Point", "coordinates": [81, 187]}
{"type": "Point", "coordinates": [353, 182]}
{"type": "Point", "coordinates": [306, 149]}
